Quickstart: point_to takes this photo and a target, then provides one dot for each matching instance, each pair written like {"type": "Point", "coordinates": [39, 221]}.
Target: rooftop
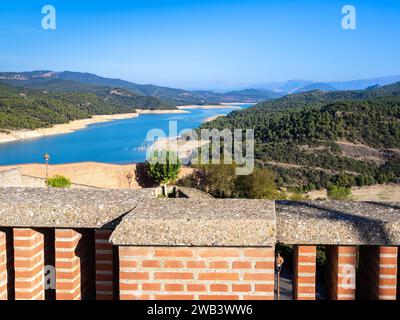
{"type": "Point", "coordinates": [193, 193]}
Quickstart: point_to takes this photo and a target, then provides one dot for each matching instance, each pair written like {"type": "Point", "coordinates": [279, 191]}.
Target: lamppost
{"type": "Point", "coordinates": [129, 176]}
{"type": "Point", "coordinates": [46, 158]}
{"type": "Point", "coordinates": [279, 262]}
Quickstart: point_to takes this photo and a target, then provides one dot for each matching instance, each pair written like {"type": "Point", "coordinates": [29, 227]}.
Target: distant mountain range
{"type": "Point", "coordinates": [79, 82]}
{"type": "Point", "coordinates": [297, 86]}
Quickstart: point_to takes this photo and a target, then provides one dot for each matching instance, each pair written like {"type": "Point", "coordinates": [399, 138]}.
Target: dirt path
{"type": "Point", "coordinates": [298, 166]}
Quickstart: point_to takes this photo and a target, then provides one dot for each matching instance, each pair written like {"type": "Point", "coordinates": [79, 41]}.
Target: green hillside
{"type": "Point", "coordinates": [316, 86]}
{"type": "Point", "coordinates": [25, 108]}
{"type": "Point", "coordinates": [117, 95]}
{"type": "Point", "coordinates": [171, 96]}
{"type": "Point", "coordinates": [314, 139]}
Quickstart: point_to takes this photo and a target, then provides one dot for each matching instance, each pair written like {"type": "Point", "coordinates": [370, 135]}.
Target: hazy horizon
{"type": "Point", "coordinates": [215, 45]}
{"type": "Point", "coordinates": [211, 88]}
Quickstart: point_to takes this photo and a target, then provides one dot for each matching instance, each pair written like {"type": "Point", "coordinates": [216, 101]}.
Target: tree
{"type": "Point", "coordinates": [216, 179]}
{"type": "Point", "coordinates": [346, 181]}
{"type": "Point", "coordinates": [219, 179]}
{"type": "Point", "coordinates": [163, 167]}
{"type": "Point", "coordinates": [339, 193]}
{"type": "Point", "coordinates": [58, 182]}
{"type": "Point", "coordinates": [260, 184]}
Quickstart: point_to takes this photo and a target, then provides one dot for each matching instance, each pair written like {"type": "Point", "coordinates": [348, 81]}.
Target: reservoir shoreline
{"type": "Point", "coordinates": [232, 106]}
{"type": "Point", "coordinates": [64, 128]}
{"type": "Point", "coordinates": [101, 139]}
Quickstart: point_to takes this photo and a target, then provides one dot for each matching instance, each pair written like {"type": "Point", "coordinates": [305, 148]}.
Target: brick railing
{"type": "Point", "coordinates": [92, 244]}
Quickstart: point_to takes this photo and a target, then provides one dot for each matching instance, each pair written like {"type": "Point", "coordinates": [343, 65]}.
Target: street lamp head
{"type": "Point", "coordinates": [279, 261]}
{"type": "Point", "coordinates": [129, 176]}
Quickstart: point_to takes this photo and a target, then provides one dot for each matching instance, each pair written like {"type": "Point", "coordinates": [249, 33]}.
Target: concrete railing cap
{"type": "Point", "coordinates": [187, 222]}
{"type": "Point", "coordinates": [143, 220]}
{"type": "Point", "coordinates": [338, 222]}
{"type": "Point", "coordinates": [66, 208]}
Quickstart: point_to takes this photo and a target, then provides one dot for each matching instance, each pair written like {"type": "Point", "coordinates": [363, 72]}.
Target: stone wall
{"type": "Point", "coordinates": [126, 244]}
{"type": "Point", "coordinates": [14, 178]}
{"type": "Point", "coordinates": [99, 175]}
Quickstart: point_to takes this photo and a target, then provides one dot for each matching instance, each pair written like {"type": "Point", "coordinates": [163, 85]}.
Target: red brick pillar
{"type": "Point", "coordinates": [341, 272]}
{"type": "Point", "coordinates": [398, 274]}
{"type": "Point", "coordinates": [28, 264]}
{"type": "Point", "coordinates": [378, 272]}
{"type": "Point", "coordinates": [3, 267]}
{"type": "Point", "coordinates": [304, 272]}
{"type": "Point", "coordinates": [68, 265]}
{"type": "Point", "coordinates": [104, 265]}
{"type": "Point", "coordinates": [187, 273]}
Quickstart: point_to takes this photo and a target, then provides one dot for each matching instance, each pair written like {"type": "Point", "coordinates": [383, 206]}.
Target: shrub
{"type": "Point", "coordinates": [339, 193]}
{"type": "Point", "coordinates": [58, 181]}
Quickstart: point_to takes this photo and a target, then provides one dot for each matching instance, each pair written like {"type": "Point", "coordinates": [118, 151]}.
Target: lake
{"type": "Point", "coordinates": [119, 141]}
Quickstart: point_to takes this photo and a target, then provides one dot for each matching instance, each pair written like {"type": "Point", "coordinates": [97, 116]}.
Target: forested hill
{"type": "Point", "coordinates": [318, 97]}
{"type": "Point", "coordinates": [256, 115]}
{"type": "Point", "coordinates": [118, 95]}
{"type": "Point", "coordinates": [312, 139]}
{"type": "Point", "coordinates": [23, 108]}
{"type": "Point", "coordinates": [171, 96]}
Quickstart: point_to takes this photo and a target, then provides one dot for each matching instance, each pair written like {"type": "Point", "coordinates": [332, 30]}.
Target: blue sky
{"type": "Point", "coordinates": [203, 43]}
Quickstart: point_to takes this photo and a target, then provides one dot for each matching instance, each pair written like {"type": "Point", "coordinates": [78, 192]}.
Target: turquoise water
{"type": "Point", "coordinates": [118, 141]}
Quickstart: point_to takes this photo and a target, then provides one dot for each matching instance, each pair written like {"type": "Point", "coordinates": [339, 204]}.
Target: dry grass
{"type": "Point", "coordinates": [389, 193]}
